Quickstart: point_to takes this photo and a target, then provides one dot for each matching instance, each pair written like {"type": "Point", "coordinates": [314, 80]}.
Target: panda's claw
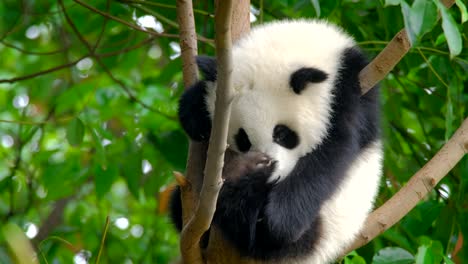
{"type": "Point", "coordinates": [263, 162]}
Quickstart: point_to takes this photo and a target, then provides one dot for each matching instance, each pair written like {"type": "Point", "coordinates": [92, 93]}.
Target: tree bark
{"type": "Point", "coordinates": [195, 184]}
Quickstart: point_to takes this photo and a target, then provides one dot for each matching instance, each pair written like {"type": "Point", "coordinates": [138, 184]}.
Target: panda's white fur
{"type": "Point", "coordinates": [264, 62]}
{"type": "Point", "coordinates": [344, 218]}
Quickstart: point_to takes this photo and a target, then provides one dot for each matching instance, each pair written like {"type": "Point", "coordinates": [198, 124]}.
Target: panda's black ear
{"type": "Point", "coordinates": [207, 66]}
{"type": "Point", "coordinates": [300, 78]}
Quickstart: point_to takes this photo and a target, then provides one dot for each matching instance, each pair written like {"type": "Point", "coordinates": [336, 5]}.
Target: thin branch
{"type": "Point", "coordinates": [50, 12]}
{"type": "Point", "coordinates": [157, 15]}
{"type": "Point", "coordinates": [148, 3]}
{"type": "Point", "coordinates": [164, 19]}
{"type": "Point", "coordinates": [136, 27]}
{"type": "Point", "coordinates": [14, 169]}
{"type": "Point", "coordinates": [103, 239]}
{"type": "Point", "coordinates": [385, 61]}
{"type": "Point", "coordinates": [29, 76]}
{"type": "Point", "coordinates": [72, 63]}
{"type": "Point", "coordinates": [428, 63]}
{"type": "Point", "coordinates": [103, 29]}
{"type": "Point", "coordinates": [33, 52]}
{"type": "Point", "coordinates": [381, 65]}
{"type": "Point", "coordinates": [104, 67]}
{"type": "Point", "coordinates": [53, 220]}
{"type": "Point", "coordinates": [188, 44]}
{"type": "Point", "coordinates": [16, 25]}
{"type": "Point", "coordinates": [212, 182]}
{"type": "Point", "coordinates": [127, 49]}
{"type": "Point", "coordinates": [416, 189]}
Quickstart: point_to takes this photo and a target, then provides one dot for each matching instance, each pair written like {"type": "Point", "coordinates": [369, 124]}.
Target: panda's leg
{"type": "Point", "coordinates": [193, 112]}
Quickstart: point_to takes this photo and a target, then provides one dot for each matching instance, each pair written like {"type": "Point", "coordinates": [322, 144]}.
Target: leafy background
{"type": "Point", "coordinates": [88, 127]}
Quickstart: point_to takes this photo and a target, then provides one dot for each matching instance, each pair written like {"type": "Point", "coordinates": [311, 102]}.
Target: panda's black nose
{"type": "Point", "coordinates": [284, 136]}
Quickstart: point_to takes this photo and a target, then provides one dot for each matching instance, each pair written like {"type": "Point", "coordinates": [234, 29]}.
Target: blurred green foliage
{"type": "Point", "coordinates": [89, 130]}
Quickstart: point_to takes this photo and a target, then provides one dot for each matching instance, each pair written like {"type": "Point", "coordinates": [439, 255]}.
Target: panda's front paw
{"type": "Point", "coordinates": [253, 163]}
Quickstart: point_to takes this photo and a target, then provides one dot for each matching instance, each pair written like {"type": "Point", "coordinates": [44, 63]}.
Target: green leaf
{"type": "Point", "coordinates": [424, 255]}
{"type": "Point", "coordinates": [449, 117]}
{"type": "Point", "coordinates": [357, 260]}
{"type": "Point", "coordinates": [61, 179]}
{"type": "Point", "coordinates": [463, 11]}
{"type": "Point", "coordinates": [392, 2]}
{"type": "Point", "coordinates": [423, 16]}
{"type": "Point", "coordinates": [131, 171]}
{"type": "Point", "coordinates": [74, 98]}
{"type": "Point", "coordinates": [4, 258]}
{"type": "Point", "coordinates": [100, 152]}
{"type": "Point", "coordinates": [430, 251]}
{"type": "Point", "coordinates": [75, 132]}
{"type": "Point", "coordinates": [393, 255]}
{"type": "Point", "coordinates": [173, 145]}
{"type": "Point", "coordinates": [104, 178]}
{"type": "Point", "coordinates": [419, 19]}
{"type": "Point", "coordinates": [397, 238]}
{"type": "Point", "coordinates": [454, 39]}
{"type": "Point", "coordinates": [316, 5]}
{"type": "Point", "coordinates": [447, 260]}
{"type": "Point", "coordinates": [18, 243]}
{"type": "Point", "coordinates": [406, 11]}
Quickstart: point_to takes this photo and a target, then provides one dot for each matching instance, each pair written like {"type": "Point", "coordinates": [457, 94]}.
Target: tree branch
{"type": "Point", "coordinates": [188, 41]}
{"type": "Point", "coordinates": [416, 189]}
{"type": "Point", "coordinates": [95, 10]}
{"type": "Point", "coordinates": [188, 45]}
{"type": "Point", "coordinates": [39, 53]}
{"type": "Point", "coordinates": [212, 181]}
{"type": "Point", "coordinates": [381, 65]}
{"type": "Point", "coordinates": [127, 49]}
{"type": "Point", "coordinates": [53, 220]}
{"type": "Point", "coordinates": [33, 75]}
{"type": "Point", "coordinates": [148, 3]}
{"type": "Point", "coordinates": [74, 62]}
{"type": "Point", "coordinates": [241, 16]}
{"type": "Point", "coordinates": [104, 67]}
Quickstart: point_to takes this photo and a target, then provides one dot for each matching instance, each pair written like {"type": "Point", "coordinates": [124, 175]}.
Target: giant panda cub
{"type": "Point", "coordinates": [305, 155]}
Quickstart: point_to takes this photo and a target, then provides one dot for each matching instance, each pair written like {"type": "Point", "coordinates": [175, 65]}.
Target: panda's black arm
{"type": "Point", "coordinates": [294, 204]}
{"type": "Point", "coordinates": [292, 209]}
{"type": "Point", "coordinates": [193, 112]}
{"type": "Point", "coordinates": [239, 207]}
{"type": "Point", "coordinates": [263, 220]}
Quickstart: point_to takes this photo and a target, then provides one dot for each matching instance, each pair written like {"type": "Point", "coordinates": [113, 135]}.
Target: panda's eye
{"type": "Point", "coordinates": [242, 140]}
{"type": "Point", "coordinates": [285, 137]}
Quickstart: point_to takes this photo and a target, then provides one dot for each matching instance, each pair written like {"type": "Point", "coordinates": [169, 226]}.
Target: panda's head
{"type": "Point", "coordinates": [284, 75]}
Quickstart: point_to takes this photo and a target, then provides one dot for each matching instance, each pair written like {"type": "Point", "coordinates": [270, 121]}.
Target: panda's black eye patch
{"type": "Point", "coordinates": [285, 137]}
{"type": "Point", "coordinates": [242, 140]}
{"type": "Point", "coordinates": [301, 77]}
